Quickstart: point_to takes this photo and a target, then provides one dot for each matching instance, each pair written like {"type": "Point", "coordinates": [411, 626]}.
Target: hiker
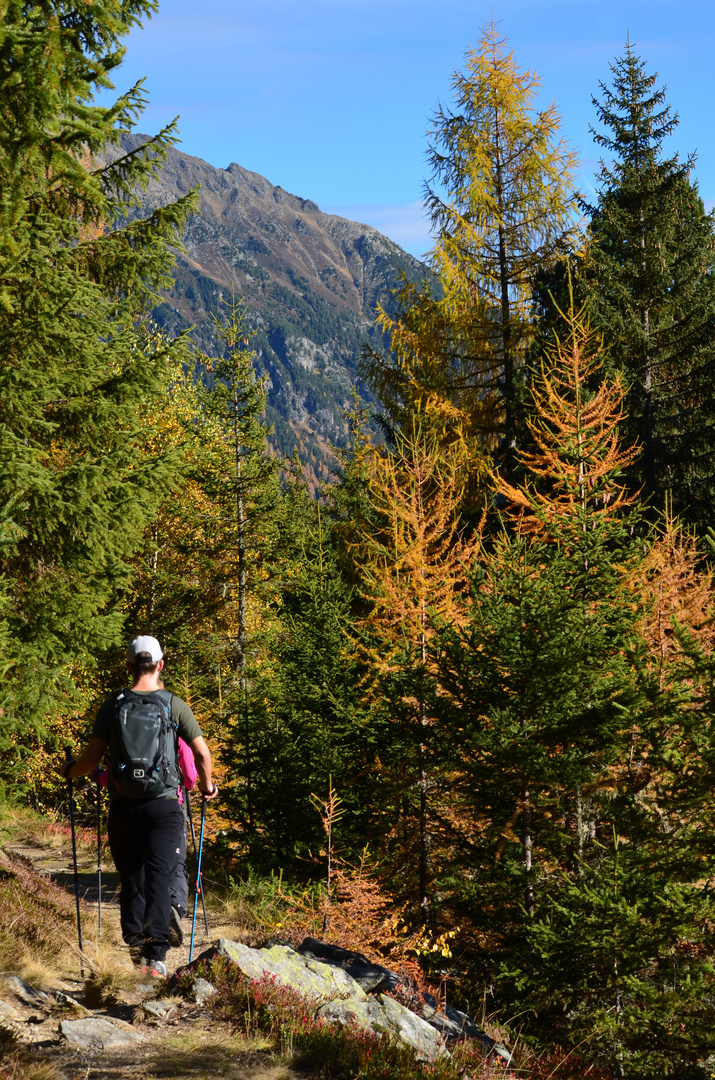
{"type": "Point", "coordinates": [179, 891]}
{"type": "Point", "coordinates": [145, 820]}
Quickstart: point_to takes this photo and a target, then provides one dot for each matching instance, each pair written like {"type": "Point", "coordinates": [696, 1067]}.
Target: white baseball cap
{"type": "Point", "coordinates": [147, 644]}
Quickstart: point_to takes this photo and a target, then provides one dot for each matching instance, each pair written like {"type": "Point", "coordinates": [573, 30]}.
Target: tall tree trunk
{"type": "Point", "coordinates": [579, 830]}
{"type": "Point", "coordinates": [526, 848]}
{"type": "Point", "coordinates": [648, 418]}
{"type": "Point", "coordinates": [423, 826]}
{"type": "Point", "coordinates": [424, 840]}
{"type": "Point", "coordinates": [506, 327]}
{"type": "Point", "coordinates": [154, 566]}
{"type": "Point", "coordinates": [240, 653]}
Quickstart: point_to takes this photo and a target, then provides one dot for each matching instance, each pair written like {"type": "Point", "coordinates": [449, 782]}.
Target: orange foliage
{"type": "Point", "coordinates": [417, 566]}
{"type": "Point", "coordinates": [363, 919]}
{"type": "Point", "coordinates": [676, 588]}
{"type": "Point", "coordinates": [578, 455]}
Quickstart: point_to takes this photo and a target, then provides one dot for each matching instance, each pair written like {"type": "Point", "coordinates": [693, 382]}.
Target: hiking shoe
{"type": "Point", "coordinates": [154, 967]}
{"type": "Point", "coordinates": [176, 934]}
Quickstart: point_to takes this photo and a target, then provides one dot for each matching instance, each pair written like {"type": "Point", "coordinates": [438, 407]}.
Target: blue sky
{"type": "Point", "coordinates": [331, 98]}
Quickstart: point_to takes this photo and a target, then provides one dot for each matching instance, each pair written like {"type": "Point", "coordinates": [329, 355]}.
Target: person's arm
{"type": "Point", "coordinates": [202, 757]}
{"type": "Point", "coordinates": [90, 756]}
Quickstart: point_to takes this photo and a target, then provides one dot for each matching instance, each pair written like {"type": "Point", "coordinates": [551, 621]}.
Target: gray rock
{"type": "Point", "coordinates": [384, 1016]}
{"type": "Point", "coordinates": [202, 990]}
{"type": "Point", "coordinates": [308, 977]}
{"type": "Point", "coordinates": [8, 1012]}
{"type": "Point", "coordinates": [453, 1024]}
{"type": "Point", "coordinates": [371, 977]}
{"type": "Point", "coordinates": [337, 980]}
{"type": "Point", "coordinates": [96, 1033]}
{"type": "Point", "coordinates": [27, 993]}
{"type": "Point", "coordinates": [160, 1009]}
{"type": "Point", "coordinates": [66, 999]}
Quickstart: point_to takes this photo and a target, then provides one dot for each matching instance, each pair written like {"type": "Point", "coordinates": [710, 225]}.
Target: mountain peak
{"type": "Point", "coordinates": [311, 283]}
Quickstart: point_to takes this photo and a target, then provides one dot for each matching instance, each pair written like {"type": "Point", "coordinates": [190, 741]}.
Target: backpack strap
{"type": "Point", "coordinates": [166, 697]}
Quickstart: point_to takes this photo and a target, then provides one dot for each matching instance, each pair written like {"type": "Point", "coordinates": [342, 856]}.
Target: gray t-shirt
{"type": "Point", "coordinates": [181, 714]}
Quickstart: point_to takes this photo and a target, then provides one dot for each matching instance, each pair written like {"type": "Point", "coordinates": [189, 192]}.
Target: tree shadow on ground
{"type": "Point", "coordinates": [214, 1057]}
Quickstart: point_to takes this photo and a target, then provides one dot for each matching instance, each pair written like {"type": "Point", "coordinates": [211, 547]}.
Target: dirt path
{"type": "Point", "coordinates": [184, 1043]}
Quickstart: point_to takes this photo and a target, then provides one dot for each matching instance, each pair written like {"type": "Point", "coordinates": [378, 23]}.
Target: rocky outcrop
{"type": "Point", "coordinates": [451, 1023]}
{"type": "Point", "coordinates": [289, 968]}
{"type": "Point", "coordinates": [349, 989]}
{"type": "Point", "coordinates": [383, 1015]}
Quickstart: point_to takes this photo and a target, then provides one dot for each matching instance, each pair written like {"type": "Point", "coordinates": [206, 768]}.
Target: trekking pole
{"type": "Point", "coordinates": [198, 878]}
{"type": "Point", "coordinates": [99, 855]}
{"type": "Point", "coordinates": [193, 840]}
{"type": "Point", "coordinates": [68, 758]}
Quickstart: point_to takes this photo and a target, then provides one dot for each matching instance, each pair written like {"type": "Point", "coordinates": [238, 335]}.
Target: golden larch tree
{"type": "Point", "coordinates": [502, 208]}
{"type": "Point", "coordinates": [578, 457]}
{"type": "Point", "coordinates": [677, 591]}
{"type": "Point", "coordinates": [415, 570]}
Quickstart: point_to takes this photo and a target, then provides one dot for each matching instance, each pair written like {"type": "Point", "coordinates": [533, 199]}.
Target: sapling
{"type": "Point", "coordinates": [330, 811]}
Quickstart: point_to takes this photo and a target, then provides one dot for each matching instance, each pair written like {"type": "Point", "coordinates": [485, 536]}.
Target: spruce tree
{"type": "Point", "coordinates": [79, 369]}
{"type": "Point", "coordinates": [308, 715]}
{"type": "Point", "coordinates": [536, 678]}
{"type": "Point", "coordinates": [651, 289]}
{"type": "Point", "coordinates": [583, 746]}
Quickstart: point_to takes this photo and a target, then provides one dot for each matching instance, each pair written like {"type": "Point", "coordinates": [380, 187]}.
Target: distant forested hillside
{"type": "Point", "coordinates": [311, 282]}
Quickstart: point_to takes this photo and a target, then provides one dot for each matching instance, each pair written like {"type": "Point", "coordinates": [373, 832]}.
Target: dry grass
{"type": "Point", "coordinates": [49, 831]}
{"type": "Point", "coordinates": [252, 936]}
{"type": "Point", "coordinates": [38, 928]}
{"type": "Point", "coordinates": [254, 908]}
{"type": "Point", "coordinates": [37, 922]}
{"type": "Point", "coordinates": [19, 1065]}
{"type": "Point", "coordinates": [110, 973]}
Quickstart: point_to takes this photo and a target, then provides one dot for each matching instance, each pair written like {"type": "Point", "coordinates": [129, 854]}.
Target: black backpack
{"type": "Point", "coordinates": [143, 745]}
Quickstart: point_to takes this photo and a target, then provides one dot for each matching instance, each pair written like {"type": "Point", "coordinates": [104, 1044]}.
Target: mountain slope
{"type": "Point", "coordinates": [310, 281]}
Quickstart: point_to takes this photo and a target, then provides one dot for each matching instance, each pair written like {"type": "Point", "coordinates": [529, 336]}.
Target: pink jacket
{"type": "Point", "coordinates": [186, 764]}
{"type": "Point", "coordinates": [188, 768]}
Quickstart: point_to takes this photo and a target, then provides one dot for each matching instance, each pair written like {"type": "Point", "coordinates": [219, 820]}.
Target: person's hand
{"type": "Point", "coordinates": [207, 796]}
{"type": "Point", "coordinates": [66, 766]}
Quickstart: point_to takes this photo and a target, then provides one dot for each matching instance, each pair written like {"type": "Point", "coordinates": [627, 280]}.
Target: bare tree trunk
{"type": "Point", "coordinates": [240, 652]}
{"type": "Point", "coordinates": [424, 833]}
{"type": "Point", "coordinates": [153, 564]}
{"type": "Point", "coordinates": [648, 419]}
{"type": "Point", "coordinates": [241, 543]}
{"type": "Point", "coordinates": [579, 830]}
{"type": "Point", "coordinates": [506, 328]}
{"type": "Point", "coordinates": [526, 847]}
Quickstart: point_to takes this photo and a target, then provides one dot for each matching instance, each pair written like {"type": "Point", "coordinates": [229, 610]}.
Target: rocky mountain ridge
{"type": "Point", "coordinates": [311, 282]}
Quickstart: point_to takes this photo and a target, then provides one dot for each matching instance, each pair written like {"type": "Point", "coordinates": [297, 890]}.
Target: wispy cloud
{"type": "Point", "coordinates": [405, 223]}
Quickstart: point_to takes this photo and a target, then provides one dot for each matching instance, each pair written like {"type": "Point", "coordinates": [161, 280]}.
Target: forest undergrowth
{"type": "Point", "coordinates": [254, 1029]}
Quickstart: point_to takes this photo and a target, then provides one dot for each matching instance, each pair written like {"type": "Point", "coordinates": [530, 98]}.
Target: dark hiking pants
{"type": "Point", "coordinates": [180, 882]}
{"type": "Point", "coordinates": [145, 838]}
